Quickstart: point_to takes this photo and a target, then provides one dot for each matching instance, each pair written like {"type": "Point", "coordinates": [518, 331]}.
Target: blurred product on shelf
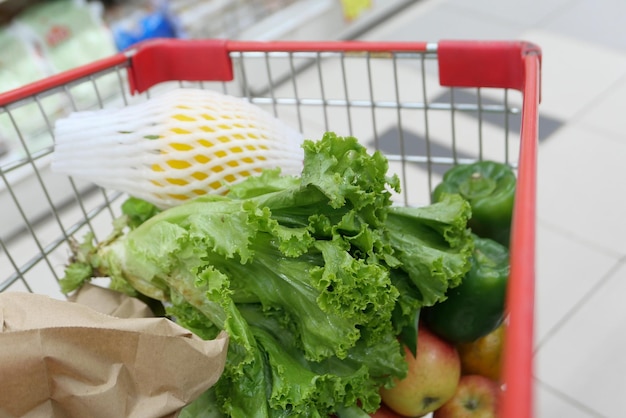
{"type": "Point", "coordinates": [352, 9]}
{"type": "Point", "coordinates": [136, 21]}
{"type": "Point", "coordinates": [68, 33]}
{"type": "Point", "coordinates": [47, 38]}
{"type": "Point", "coordinates": [20, 64]}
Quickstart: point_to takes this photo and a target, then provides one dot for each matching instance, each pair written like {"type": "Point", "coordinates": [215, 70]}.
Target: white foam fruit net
{"type": "Point", "coordinates": [182, 144]}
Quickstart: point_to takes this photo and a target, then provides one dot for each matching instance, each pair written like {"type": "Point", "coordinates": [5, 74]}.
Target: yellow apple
{"type": "Point", "coordinates": [476, 397]}
{"type": "Point", "coordinates": [483, 356]}
{"type": "Point", "coordinates": [433, 375]}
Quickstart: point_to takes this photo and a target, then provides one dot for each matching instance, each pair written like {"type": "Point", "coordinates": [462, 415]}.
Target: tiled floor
{"type": "Point", "coordinates": [581, 317]}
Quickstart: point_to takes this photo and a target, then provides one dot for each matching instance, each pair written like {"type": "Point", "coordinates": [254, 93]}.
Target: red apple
{"type": "Point", "coordinates": [476, 396]}
{"type": "Point", "coordinates": [432, 377]}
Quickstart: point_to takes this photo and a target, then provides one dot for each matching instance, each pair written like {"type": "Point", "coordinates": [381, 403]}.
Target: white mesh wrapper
{"type": "Point", "coordinates": [174, 147]}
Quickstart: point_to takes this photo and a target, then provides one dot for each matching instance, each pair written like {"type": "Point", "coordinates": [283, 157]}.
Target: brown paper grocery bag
{"type": "Point", "coordinates": [110, 302]}
{"type": "Point", "coordinates": [64, 359]}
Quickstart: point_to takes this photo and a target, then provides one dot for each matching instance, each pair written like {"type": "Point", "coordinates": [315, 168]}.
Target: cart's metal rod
{"type": "Point", "coordinates": [346, 94]}
{"type": "Point", "coordinates": [396, 88]}
{"type": "Point", "coordinates": [19, 163]}
{"type": "Point", "coordinates": [426, 126]}
{"type": "Point", "coordinates": [461, 107]}
{"type": "Point", "coordinates": [433, 160]}
{"type": "Point", "coordinates": [370, 89]}
{"type": "Point", "coordinates": [45, 251]}
{"type": "Point", "coordinates": [17, 275]}
{"type": "Point", "coordinates": [315, 55]}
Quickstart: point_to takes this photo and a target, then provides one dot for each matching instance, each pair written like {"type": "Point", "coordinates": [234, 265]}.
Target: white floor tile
{"type": "Point", "coordinates": [575, 73]}
{"type": "Point", "coordinates": [560, 283]}
{"type": "Point", "coordinates": [550, 403]}
{"type": "Point", "coordinates": [578, 172]}
{"type": "Point", "coordinates": [601, 22]}
{"type": "Point", "coordinates": [585, 360]}
{"type": "Point", "coordinates": [528, 13]}
{"type": "Point", "coordinates": [606, 114]}
{"type": "Point", "coordinates": [437, 20]}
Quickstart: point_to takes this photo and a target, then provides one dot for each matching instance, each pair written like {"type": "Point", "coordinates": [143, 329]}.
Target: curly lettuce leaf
{"type": "Point", "coordinates": [138, 211]}
{"type": "Point", "coordinates": [306, 274]}
{"type": "Point", "coordinates": [433, 245]}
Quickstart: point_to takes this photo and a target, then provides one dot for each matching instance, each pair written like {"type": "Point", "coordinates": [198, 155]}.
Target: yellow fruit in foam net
{"type": "Point", "coordinates": [177, 146]}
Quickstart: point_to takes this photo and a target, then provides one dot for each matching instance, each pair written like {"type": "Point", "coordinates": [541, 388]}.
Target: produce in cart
{"type": "Point", "coordinates": [489, 187]}
{"type": "Point", "coordinates": [484, 355]}
{"type": "Point", "coordinates": [475, 308]}
{"type": "Point", "coordinates": [431, 380]}
{"type": "Point", "coordinates": [476, 397]}
{"type": "Point", "coordinates": [313, 277]}
{"type": "Point", "coordinates": [179, 145]}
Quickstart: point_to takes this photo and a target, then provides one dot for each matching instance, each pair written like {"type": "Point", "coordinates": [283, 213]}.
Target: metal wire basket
{"type": "Point", "coordinates": [427, 106]}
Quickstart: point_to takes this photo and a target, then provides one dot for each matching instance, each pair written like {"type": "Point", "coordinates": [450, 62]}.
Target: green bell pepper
{"type": "Point", "coordinates": [475, 307]}
{"type": "Point", "coordinates": [489, 187]}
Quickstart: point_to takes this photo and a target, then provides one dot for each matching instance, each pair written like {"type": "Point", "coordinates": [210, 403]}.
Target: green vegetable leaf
{"type": "Point", "coordinates": [313, 278]}
{"type": "Point", "coordinates": [75, 275]}
{"type": "Point", "coordinates": [433, 244]}
{"type": "Point", "coordinates": [138, 211]}
{"type": "Point", "coordinates": [205, 406]}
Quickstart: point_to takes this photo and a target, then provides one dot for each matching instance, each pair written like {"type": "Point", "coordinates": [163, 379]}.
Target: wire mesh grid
{"type": "Point", "coordinates": [391, 102]}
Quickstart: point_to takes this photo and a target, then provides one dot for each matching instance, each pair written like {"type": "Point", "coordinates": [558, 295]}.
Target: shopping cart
{"type": "Point", "coordinates": [427, 106]}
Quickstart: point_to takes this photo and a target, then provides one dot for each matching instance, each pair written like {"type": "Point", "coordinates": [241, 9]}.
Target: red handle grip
{"type": "Point", "coordinates": [498, 64]}
{"type": "Point", "coordinates": [162, 60]}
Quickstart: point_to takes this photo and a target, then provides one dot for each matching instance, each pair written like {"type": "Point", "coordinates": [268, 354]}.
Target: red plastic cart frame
{"type": "Point", "coordinates": [498, 64]}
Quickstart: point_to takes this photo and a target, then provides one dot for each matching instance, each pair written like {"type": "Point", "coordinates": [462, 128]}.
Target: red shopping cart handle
{"type": "Point", "coordinates": [484, 63]}
{"type": "Point", "coordinates": [498, 64]}
{"type": "Point", "coordinates": [156, 61]}
{"type": "Point", "coordinates": [159, 60]}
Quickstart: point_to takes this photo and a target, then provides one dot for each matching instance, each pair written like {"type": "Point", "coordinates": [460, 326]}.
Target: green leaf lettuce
{"type": "Point", "coordinates": [313, 278]}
